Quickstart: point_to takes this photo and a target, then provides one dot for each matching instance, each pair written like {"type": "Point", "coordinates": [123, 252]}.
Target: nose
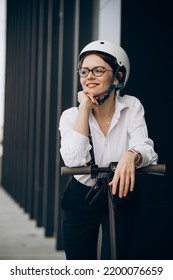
{"type": "Point", "coordinates": [90, 74]}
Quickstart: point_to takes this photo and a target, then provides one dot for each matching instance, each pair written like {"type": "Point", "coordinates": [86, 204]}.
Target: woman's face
{"type": "Point", "coordinates": [98, 85]}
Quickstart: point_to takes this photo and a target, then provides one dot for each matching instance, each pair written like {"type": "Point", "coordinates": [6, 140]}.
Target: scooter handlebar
{"type": "Point", "coordinates": [155, 169]}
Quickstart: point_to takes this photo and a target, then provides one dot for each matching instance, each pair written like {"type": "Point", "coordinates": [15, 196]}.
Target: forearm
{"type": "Point", "coordinates": [82, 120]}
{"type": "Point", "coordinates": [75, 149]}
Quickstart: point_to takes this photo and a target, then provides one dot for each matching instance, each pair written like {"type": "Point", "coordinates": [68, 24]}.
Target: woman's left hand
{"type": "Point", "coordinates": [124, 176]}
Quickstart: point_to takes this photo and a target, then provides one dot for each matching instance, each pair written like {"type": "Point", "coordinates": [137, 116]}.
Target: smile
{"type": "Point", "coordinates": [91, 85]}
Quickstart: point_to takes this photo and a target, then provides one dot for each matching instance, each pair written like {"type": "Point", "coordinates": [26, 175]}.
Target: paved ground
{"type": "Point", "coordinates": [20, 239]}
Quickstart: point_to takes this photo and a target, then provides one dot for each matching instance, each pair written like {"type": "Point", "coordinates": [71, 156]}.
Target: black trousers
{"type": "Point", "coordinates": [81, 223]}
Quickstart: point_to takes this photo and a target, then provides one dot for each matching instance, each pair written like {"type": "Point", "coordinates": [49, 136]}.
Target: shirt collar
{"type": "Point", "coordinates": [120, 104]}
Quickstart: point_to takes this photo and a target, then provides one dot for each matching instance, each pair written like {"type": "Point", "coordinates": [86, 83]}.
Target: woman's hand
{"type": "Point", "coordinates": [87, 102]}
{"type": "Point", "coordinates": [87, 98]}
{"type": "Point", "coordinates": [124, 176]}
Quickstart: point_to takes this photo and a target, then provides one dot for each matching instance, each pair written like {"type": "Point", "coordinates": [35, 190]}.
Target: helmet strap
{"type": "Point", "coordinates": [111, 88]}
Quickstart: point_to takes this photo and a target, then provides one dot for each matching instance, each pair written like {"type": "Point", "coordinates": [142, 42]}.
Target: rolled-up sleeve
{"type": "Point", "coordinates": [139, 139]}
{"type": "Point", "coordinates": [74, 146]}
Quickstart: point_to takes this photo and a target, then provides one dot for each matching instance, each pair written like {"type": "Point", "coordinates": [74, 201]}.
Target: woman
{"type": "Point", "coordinates": [118, 134]}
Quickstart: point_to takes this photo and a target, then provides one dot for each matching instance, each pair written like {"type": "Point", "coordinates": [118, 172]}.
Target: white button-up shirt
{"type": "Point", "coordinates": [127, 130]}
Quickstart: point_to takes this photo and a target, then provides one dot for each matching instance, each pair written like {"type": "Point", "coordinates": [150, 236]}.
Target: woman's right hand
{"type": "Point", "coordinates": [87, 103]}
{"type": "Point", "coordinates": [87, 98]}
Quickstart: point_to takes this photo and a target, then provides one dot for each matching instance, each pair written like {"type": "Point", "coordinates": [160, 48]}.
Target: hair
{"type": "Point", "coordinates": [112, 61]}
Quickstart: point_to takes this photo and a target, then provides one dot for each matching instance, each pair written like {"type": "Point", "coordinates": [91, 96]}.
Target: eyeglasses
{"type": "Point", "coordinates": [96, 71]}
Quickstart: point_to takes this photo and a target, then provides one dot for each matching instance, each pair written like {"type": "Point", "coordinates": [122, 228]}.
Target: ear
{"type": "Point", "coordinates": [120, 74]}
{"type": "Point", "coordinates": [116, 81]}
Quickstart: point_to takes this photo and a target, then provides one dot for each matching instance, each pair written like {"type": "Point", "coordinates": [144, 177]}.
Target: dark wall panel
{"type": "Point", "coordinates": [145, 35]}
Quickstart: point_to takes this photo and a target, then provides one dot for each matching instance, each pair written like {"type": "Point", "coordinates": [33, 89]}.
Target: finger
{"type": "Point", "coordinates": [127, 186]}
{"type": "Point", "coordinates": [132, 183]}
{"type": "Point", "coordinates": [114, 185]}
{"type": "Point", "coordinates": [89, 93]}
{"type": "Point", "coordinates": [121, 186]}
{"type": "Point", "coordinates": [93, 100]}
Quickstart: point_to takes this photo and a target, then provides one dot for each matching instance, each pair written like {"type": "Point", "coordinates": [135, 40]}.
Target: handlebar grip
{"type": "Point", "coordinates": [75, 170]}
{"type": "Point", "coordinates": [153, 168]}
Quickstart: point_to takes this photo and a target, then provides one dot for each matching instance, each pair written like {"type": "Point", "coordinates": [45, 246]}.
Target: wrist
{"type": "Point", "coordinates": [84, 108]}
{"type": "Point", "coordinates": [138, 158]}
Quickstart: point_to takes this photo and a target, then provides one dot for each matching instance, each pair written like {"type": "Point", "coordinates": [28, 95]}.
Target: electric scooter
{"type": "Point", "coordinates": [94, 170]}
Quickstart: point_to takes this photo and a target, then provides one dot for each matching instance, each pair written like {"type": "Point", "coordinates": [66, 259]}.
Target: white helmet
{"type": "Point", "coordinates": [111, 49]}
